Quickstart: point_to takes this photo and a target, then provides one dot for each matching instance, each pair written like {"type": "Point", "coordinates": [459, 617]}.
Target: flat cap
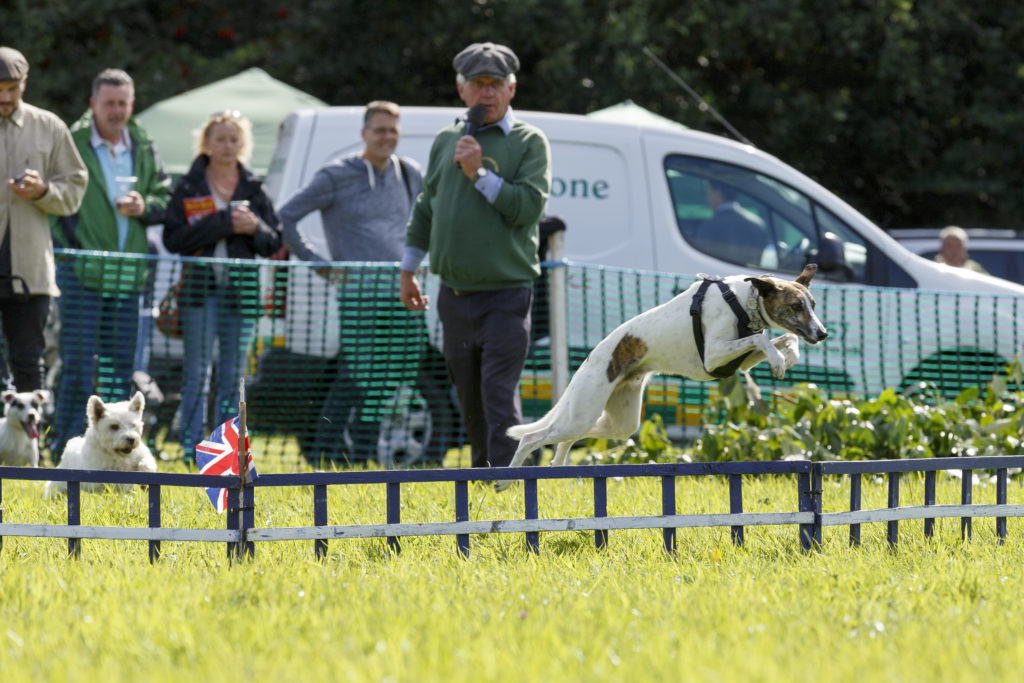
{"type": "Point", "coordinates": [486, 60]}
{"type": "Point", "coordinates": [13, 65]}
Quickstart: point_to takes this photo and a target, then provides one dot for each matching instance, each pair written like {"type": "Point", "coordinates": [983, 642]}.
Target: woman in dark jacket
{"type": "Point", "coordinates": [218, 209]}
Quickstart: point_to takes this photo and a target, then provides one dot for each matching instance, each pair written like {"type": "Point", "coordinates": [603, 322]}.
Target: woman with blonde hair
{"type": "Point", "coordinates": [220, 210]}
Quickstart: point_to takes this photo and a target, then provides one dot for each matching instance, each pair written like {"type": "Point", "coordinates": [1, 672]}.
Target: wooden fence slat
{"type": "Point", "coordinates": [966, 489]}
{"type": "Point", "coordinates": [929, 499]}
{"type": "Point", "coordinates": [855, 498]}
{"type": "Point", "coordinates": [531, 512]}
{"type": "Point", "coordinates": [154, 522]}
{"type": "Point", "coordinates": [893, 531]}
{"type": "Point", "coordinates": [394, 513]}
{"type": "Point", "coordinates": [1001, 477]}
{"type": "Point", "coordinates": [668, 509]}
{"type": "Point", "coordinates": [736, 504]}
{"type": "Point", "coordinates": [320, 519]}
{"type": "Point", "coordinates": [601, 510]}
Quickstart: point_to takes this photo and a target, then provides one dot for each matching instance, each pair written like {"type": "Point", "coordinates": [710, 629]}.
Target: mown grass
{"type": "Point", "coordinates": [928, 610]}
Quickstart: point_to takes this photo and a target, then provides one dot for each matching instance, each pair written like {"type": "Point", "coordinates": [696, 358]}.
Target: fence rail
{"type": "Point", "coordinates": [241, 534]}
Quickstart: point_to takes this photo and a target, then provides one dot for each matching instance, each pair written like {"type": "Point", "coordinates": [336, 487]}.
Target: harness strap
{"type": "Point", "coordinates": [743, 326]}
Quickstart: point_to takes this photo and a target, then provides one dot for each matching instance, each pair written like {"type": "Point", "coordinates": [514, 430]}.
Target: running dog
{"type": "Point", "coordinates": [112, 441]}
{"type": "Point", "coordinates": [19, 428]}
{"type": "Point", "coordinates": [712, 330]}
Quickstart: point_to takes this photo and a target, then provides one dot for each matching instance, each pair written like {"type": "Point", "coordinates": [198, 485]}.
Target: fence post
{"type": "Point", "coordinates": [809, 497]}
{"type": "Point", "coordinates": [232, 521]}
{"type": "Point", "coordinates": [320, 518]}
{"type": "Point", "coordinates": [74, 516]}
{"type": "Point", "coordinates": [668, 507]}
{"type": "Point", "coordinates": [558, 317]}
{"type": "Point", "coordinates": [966, 486]}
{"type": "Point", "coordinates": [855, 496]}
{"type": "Point", "coordinates": [154, 521]}
{"type": "Point", "coordinates": [929, 499]}
{"type": "Point", "coordinates": [1, 511]}
{"type": "Point", "coordinates": [1000, 500]}
{"type": "Point", "coordinates": [530, 503]}
{"type": "Point", "coordinates": [894, 502]}
{"type": "Point", "coordinates": [394, 513]}
{"type": "Point", "coordinates": [736, 505]}
{"type": "Point", "coordinates": [462, 515]}
{"type": "Point", "coordinates": [601, 510]}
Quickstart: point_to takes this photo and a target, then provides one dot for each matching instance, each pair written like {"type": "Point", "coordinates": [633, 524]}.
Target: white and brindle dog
{"type": "Point", "coordinates": [700, 334]}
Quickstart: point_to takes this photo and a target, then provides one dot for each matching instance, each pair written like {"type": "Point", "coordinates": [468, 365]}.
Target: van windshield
{"type": "Point", "coordinates": [743, 217]}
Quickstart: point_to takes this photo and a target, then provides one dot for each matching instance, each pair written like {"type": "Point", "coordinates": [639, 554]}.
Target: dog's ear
{"type": "Point", "coordinates": [138, 403]}
{"type": "Point", "coordinates": [42, 395]}
{"type": "Point", "coordinates": [95, 409]}
{"type": "Point", "coordinates": [804, 278]}
{"type": "Point", "coordinates": [9, 396]}
{"type": "Point", "coordinates": [764, 285]}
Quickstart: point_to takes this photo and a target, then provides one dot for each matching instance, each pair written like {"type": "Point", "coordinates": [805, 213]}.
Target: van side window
{"type": "Point", "coordinates": [743, 217]}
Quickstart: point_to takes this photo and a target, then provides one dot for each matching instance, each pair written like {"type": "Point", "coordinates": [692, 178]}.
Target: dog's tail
{"type": "Point", "coordinates": [517, 432]}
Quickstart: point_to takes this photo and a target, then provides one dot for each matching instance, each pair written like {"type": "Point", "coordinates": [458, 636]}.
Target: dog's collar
{"type": "Point", "coordinates": [757, 319]}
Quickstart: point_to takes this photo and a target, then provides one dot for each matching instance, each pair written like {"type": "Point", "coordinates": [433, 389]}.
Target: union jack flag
{"type": "Point", "coordinates": [218, 454]}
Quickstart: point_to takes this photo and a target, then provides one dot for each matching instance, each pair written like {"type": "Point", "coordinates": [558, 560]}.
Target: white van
{"type": "Point", "coordinates": [635, 196]}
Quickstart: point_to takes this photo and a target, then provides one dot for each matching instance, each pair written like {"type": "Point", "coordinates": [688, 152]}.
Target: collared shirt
{"type": "Point", "coordinates": [116, 161]}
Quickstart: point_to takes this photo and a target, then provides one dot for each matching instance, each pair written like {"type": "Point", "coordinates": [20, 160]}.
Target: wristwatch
{"type": "Point", "coordinates": [481, 172]}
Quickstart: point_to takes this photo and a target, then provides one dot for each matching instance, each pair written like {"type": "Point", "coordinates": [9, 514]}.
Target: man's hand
{"type": "Point", "coordinates": [409, 292]}
{"type": "Point", "coordinates": [30, 187]}
{"type": "Point", "coordinates": [131, 204]}
{"type": "Point", "coordinates": [469, 155]}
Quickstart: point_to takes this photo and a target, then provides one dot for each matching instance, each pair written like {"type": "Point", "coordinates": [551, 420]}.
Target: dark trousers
{"type": "Point", "coordinates": [486, 338]}
{"type": "Point", "coordinates": [24, 320]}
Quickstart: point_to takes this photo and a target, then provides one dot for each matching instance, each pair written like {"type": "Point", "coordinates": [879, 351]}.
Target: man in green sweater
{"type": "Point", "coordinates": [485, 191]}
{"type": "Point", "coordinates": [99, 307]}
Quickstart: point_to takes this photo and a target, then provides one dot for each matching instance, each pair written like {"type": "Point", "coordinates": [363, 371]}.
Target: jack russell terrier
{"type": "Point", "coordinates": [710, 331]}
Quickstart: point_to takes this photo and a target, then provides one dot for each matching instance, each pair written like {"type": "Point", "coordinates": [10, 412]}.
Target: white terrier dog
{"type": "Point", "coordinates": [112, 441]}
{"type": "Point", "coordinates": [19, 428]}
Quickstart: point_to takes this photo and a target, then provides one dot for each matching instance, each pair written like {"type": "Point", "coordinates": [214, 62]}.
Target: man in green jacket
{"type": "Point", "coordinates": [128, 190]}
{"type": "Point", "coordinates": [484, 194]}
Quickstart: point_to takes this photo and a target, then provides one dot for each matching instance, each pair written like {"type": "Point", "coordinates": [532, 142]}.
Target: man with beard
{"type": "Point", "coordinates": [41, 173]}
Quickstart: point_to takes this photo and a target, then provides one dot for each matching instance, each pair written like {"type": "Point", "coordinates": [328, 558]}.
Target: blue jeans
{"type": "Point", "coordinates": [233, 332]}
{"type": "Point", "coordinates": [97, 350]}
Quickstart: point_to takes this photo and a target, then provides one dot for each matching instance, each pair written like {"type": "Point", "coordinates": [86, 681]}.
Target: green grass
{"type": "Point", "coordinates": [928, 610]}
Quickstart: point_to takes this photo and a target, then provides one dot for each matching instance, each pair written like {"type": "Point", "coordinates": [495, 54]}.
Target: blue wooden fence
{"type": "Point", "coordinates": [241, 534]}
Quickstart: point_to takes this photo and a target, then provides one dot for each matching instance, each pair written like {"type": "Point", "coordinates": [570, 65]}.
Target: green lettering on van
{"type": "Point", "coordinates": [580, 188]}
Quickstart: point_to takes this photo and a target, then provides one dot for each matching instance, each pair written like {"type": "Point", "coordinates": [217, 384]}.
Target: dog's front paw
{"type": "Point", "coordinates": [778, 364]}
{"type": "Point", "coordinates": [790, 349]}
{"type": "Point", "coordinates": [500, 486]}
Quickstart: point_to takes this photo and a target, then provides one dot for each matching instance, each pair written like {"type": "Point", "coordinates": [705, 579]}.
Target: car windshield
{"type": "Point", "coordinates": [747, 218]}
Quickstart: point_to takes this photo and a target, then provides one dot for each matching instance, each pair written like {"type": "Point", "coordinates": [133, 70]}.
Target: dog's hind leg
{"type": "Point", "coordinates": [621, 416]}
{"type": "Point", "coordinates": [561, 456]}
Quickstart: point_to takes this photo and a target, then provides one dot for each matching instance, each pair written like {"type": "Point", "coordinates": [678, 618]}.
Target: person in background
{"type": "Point", "coordinates": [365, 200]}
{"type": "Point", "coordinates": [482, 199]}
{"type": "Point", "coordinates": [954, 250]}
{"type": "Point", "coordinates": [99, 310]}
{"type": "Point", "coordinates": [218, 209]}
{"type": "Point", "coordinates": [43, 174]}
{"type": "Point", "coordinates": [733, 233]}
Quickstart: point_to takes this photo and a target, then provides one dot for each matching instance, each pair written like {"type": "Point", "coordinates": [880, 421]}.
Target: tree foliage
{"type": "Point", "coordinates": [910, 111]}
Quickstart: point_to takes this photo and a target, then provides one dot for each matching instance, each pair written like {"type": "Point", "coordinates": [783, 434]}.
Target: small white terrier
{"type": "Point", "coordinates": [19, 428]}
{"type": "Point", "coordinates": [112, 441]}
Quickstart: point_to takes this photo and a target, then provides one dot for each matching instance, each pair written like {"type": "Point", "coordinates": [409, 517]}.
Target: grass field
{"type": "Point", "coordinates": [928, 610]}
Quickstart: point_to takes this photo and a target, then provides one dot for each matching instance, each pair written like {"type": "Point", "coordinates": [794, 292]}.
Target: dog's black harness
{"type": "Point", "coordinates": [743, 327]}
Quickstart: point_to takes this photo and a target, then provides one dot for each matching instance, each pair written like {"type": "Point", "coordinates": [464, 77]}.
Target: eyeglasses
{"type": "Point", "coordinates": [226, 114]}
